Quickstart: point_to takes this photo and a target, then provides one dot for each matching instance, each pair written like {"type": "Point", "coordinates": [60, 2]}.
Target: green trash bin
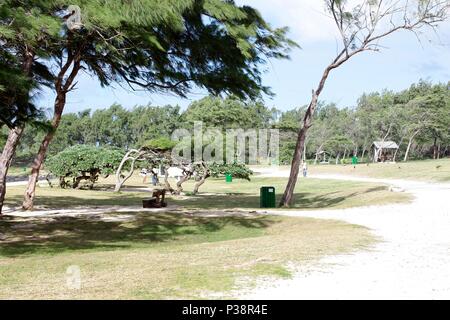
{"type": "Point", "coordinates": [228, 177]}
{"type": "Point", "coordinates": [267, 197]}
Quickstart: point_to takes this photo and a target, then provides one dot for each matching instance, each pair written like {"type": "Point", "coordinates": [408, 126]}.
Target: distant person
{"type": "Point", "coordinates": [354, 161]}
{"type": "Point", "coordinates": [155, 179]}
{"type": "Point", "coordinates": [305, 169]}
{"type": "Point", "coordinates": [143, 174]}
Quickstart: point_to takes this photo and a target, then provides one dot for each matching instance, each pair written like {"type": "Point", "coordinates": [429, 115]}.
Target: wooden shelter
{"type": "Point", "coordinates": [384, 151]}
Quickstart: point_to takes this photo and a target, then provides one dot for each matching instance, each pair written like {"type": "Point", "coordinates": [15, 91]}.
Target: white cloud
{"type": "Point", "coordinates": [309, 21]}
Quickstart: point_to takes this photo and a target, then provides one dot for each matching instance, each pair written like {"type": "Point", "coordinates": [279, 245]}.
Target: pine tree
{"type": "Point", "coordinates": [172, 45]}
{"type": "Point", "coordinates": [23, 37]}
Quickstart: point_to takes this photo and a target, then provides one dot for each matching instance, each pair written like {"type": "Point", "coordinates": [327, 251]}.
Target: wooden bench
{"type": "Point", "coordinates": [156, 201]}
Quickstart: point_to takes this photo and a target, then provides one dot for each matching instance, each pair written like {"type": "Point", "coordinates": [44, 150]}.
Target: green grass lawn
{"type": "Point", "coordinates": [423, 170]}
{"type": "Point", "coordinates": [161, 256]}
{"type": "Point", "coordinates": [216, 194]}
{"type": "Point", "coordinates": [18, 171]}
{"type": "Point", "coordinates": [309, 194]}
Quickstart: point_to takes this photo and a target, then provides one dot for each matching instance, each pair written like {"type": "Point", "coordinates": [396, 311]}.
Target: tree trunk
{"type": "Point", "coordinates": [317, 153]}
{"type": "Point", "coordinates": [304, 151]}
{"type": "Point", "coordinates": [202, 180]}
{"type": "Point", "coordinates": [187, 175]}
{"type": "Point", "coordinates": [62, 182]}
{"type": "Point", "coordinates": [396, 150]}
{"type": "Point", "coordinates": [119, 182]}
{"type": "Point", "coordinates": [13, 137]}
{"type": "Point", "coordinates": [362, 155]}
{"type": "Point", "coordinates": [288, 196]}
{"type": "Point", "coordinates": [167, 185]}
{"type": "Point", "coordinates": [395, 155]}
{"type": "Point", "coordinates": [5, 159]}
{"type": "Point", "coordinates": [30, 191]}
{"type": "Point", "coordinates": [407, 149]}
{"type": "Point", "coordinates": [434, 148]}
{"type": "Point", "coordinates": [62, 87]}
{"type": "Point", "coordinates": [47, 177]}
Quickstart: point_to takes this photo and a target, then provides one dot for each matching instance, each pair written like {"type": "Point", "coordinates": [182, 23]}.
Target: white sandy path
{"type": "Point", "coordinates": [412, 261]}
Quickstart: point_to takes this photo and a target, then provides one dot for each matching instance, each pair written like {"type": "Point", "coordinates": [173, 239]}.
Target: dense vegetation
{"type": "Point", "coordinates": [420, 113]}
{"type": "Point", "coordinates": [236, 170]}
{"type": "Point", "coordinates": [83, 163]}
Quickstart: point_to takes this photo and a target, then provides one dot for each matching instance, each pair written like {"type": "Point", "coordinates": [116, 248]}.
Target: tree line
{"type": "Point", "coordinates": [417, 119]}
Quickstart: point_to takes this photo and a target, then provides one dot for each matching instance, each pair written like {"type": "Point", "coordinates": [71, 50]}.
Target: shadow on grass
{"type": "Point", "coordinates": [60, 234]}
{"type": "Point", "coordinates": [303, 200]}
{"type": "Point", "coordinates": [229, 200]}
{"type": "Point", "coordinates": [66, 201]}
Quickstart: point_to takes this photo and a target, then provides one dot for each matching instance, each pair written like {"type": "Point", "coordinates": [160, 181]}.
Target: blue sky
{"type": "Point", "coordinates": [403, 62]}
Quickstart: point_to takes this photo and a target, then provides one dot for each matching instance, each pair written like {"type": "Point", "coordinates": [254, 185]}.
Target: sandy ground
{"type": "Point", "coordinates": [412, 261]}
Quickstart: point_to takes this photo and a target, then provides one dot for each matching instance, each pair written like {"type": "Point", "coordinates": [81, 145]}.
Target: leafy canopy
{"type": "Point", "coordinates": [172, 45]}
{"type": "Point", "coordinates": [82, 160]}
{"type": "Point", "coordinates": [237, 170]}
{"type": "Point", "coordinates": [22, 30]}
{"type": "Point", "coordinates": [160, 144]}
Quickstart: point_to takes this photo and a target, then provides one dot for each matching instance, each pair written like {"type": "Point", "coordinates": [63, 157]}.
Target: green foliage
{"type": "Point", "coordinates": [237, 170]}
{"type": "Point", "coordinates": [287, 148]}
{"type": "Point", "coordinates": [230, 112]}
{"type": "Point", "coordinates": [422, 112]}
{"type": "Point", "coordinates": [151, 122]}
{"type": "Point", "coordinates": [160, 144]}
{"type": "Point", "coordinates": [175, 45]}
{"type": "Point", "coordinates": [25, 28]}
{"type": "Point", "coordinates": [338, 143]}
{"type": "Point", "coordinates": [116, 126]}
{"type": "Point", "coordinates": [171, 45]}
{"type": "Point", "coordinates": [84, 162]}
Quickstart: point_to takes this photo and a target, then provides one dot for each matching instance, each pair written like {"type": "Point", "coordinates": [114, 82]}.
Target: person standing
{"type": "Point", "coordinates": [155, 179]}
{"type": "Point", "coordinates": [144, 175]}
{"type": "Point", "coordinates": [305, 169]}
{"type": "Point", "coordinates": [354, 161]}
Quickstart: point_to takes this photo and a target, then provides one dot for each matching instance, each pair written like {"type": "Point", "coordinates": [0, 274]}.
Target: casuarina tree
{"type": "Point", "coordinates": [174, 46]}
{"type": "Point", "coordinates": [24, 34]}
{"type": "Point", "coordinates": [362, 25]}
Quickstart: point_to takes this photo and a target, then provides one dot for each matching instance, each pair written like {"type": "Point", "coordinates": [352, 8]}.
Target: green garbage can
{"type": "Point", "coordinates": [228, 177]}
{"type": "Point", "coordinates": [267, 197]}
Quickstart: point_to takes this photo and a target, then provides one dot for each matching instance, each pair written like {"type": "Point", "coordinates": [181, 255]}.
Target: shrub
{"type": "Point", "coordinates": [161, 144]}
{"type": "Point", "coordinates": [238, 171]}
{"type": "Point", "coordinates": [83, 162]}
